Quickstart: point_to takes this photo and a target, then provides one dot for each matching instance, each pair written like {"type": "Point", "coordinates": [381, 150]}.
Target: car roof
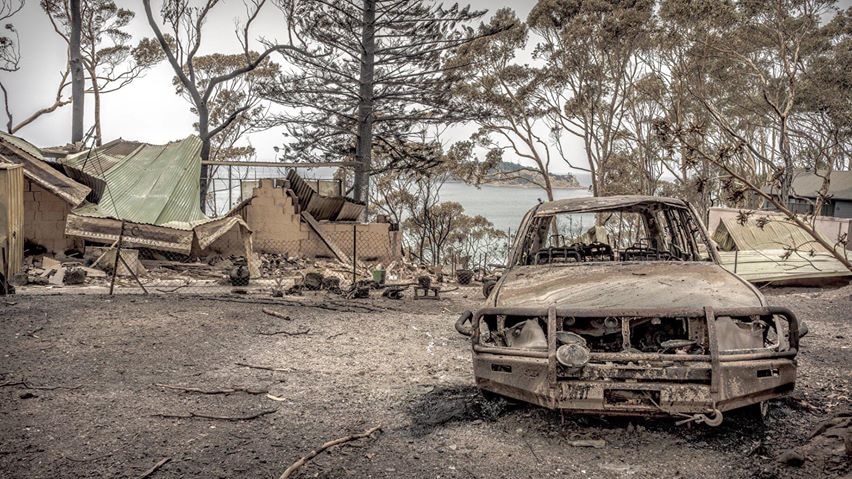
{"type": "Point", "coordinates": [599, 203]}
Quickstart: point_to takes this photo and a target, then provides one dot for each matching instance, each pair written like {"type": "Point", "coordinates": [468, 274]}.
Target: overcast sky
{"type": "Point", "coordinates": [149, 110]}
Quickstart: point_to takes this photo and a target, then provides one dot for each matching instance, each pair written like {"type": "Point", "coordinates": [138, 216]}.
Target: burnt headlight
{"type": "Point", "coordinates": [573, 353]}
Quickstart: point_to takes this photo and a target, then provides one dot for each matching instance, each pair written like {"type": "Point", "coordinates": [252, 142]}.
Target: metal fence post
{"type": "Point", "coordinates": [117, 258]}
{"type": "Point", "coordinates": [354, 253]}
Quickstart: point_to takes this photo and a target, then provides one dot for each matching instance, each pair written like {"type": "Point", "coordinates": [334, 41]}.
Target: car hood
{"type": "Point", "coordinates": [624, 285]}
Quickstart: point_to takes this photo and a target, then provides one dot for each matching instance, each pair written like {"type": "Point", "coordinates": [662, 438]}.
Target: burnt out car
{"type": "Point", "coordinates": [618, 305]}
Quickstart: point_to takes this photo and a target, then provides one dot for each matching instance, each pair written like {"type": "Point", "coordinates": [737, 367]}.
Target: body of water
{"type": "Point", "coordinates": [504, 206]}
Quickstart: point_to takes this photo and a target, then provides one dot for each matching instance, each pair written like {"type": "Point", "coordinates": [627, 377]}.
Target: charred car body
{"type": "Point", "coordinates": [618, 305]}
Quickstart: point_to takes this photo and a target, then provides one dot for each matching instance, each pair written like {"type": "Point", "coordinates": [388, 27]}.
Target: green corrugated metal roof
{"type": "Point", "coordinates": [22, 144]}
{"type": "Point", "coordinates": [155, 184]}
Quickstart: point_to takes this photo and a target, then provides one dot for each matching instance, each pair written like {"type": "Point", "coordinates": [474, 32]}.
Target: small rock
{"type": "Point", "coordinates": [26, 395]}
{"type": "Point", "coordinates": [792, 458]}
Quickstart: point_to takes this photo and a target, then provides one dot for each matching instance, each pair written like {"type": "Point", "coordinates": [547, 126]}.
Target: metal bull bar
{"type": "Point", "coordinates": [715, 357]}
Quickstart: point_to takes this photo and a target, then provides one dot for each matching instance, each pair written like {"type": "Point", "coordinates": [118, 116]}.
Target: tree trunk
{"type": "Point", "coordinates": [363, 150]}
{"type": "Point", "coordinates": [204, 134]}
{"type": "Point", "coordinates": [78, 79]}
{"type": "Point", "coordinates": [96, 95]}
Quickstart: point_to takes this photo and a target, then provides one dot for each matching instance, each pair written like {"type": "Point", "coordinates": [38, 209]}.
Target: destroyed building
{"type": "Point", "coordinates": [766, 247]}
{"type": "Point", "coordinates": [292, 218]}
{"type": "Point", "coordinates": [152, 190]}
{"type": "Point", "coordinates": [49, 196]}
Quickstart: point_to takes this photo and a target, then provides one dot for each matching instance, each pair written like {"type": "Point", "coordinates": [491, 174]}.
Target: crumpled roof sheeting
{"type": "Point", "coordinates": [776, 234]}
{"type": "Point", "coordinates": [774, 265]}
{"type": "Point", "coordinates": [16, 150]}
{"type": "Point", "coordinates": [107, 230]}
{"type": "Point", "coordinates": [155, 185]}
{"type": "Point", "coordinates": [161, 238]}
{"type": "Point", "coordinates": [321, 207]}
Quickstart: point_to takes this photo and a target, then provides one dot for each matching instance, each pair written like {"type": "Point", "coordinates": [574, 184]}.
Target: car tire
{"type": "Point", "coordinates": [494, 397]}
{"type": "Point", "coordinates": [758, 412]}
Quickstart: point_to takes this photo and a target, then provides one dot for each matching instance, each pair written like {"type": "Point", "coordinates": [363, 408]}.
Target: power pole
{"type": "Point", "coordinates": [78, 80]}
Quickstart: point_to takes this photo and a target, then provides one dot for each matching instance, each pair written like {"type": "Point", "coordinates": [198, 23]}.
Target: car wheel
{"type": "Point", "coordinates": [497, 398]}
{"type": "Point", "coordinates": [487, 287]}
{"type": "Point", "coordinates": [758, 412]}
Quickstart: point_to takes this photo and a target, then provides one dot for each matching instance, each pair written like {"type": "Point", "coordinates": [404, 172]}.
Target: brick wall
{"type": "Point", "coordinates": [44, 219]}
{"type": "Point", "coordinates": [278, 228]}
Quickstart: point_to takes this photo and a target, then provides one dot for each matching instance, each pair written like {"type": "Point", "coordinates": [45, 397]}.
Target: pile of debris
{"type": "Point", "coordinates": [47, 271]}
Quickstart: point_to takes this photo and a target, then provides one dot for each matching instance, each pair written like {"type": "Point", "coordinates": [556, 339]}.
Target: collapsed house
{"type": "Point", "coordinates": [149, 195]}
{"type": "Point", "coordinates": [769, 248]}
{"type": "Point", "coordinates": [290, 217]}
{"type": "Point", "coordinates": [49, 196]}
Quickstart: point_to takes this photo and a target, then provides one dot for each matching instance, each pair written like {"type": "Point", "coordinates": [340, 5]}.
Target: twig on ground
{"type": "Point", "coordinates": [350, 308]}
{"type": "Point", "coordinates": [32, 333]}
{"type": "Point", "coordinates": [276, 314]}
{"type": "Point", "coordinates": [220, 418]}
{"type": "Point", "coordinates": [213, 391]}
{"type": "Point", "coordinates": [304, 459]}
{"type": "Point", "coordinates": [154, 468]}
{"type": "Point", "coordinates": [287, 333]}
{"type": "Point", "coordinates": [173, 289]}
{"type": "Point", "coordinates": [27, 385]}
{"type": "Point", "coordinates": [334, 336]}
{"type": "Point", "coordinates": [266, 368]}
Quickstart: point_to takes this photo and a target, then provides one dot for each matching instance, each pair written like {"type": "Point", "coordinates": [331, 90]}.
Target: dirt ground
{"type": "Point", "coordinates": [83, 396]}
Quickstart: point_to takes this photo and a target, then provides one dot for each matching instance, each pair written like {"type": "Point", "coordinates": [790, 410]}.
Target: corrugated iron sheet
{"type": "Point", "coordinates": [11, 218]}
{"type": "Point", "coordinates": [776, 265]}
{"type": "Point", "coordinates": [775, 234]}
{"type": "Point", "coordinates": [156, 185]}
{"type": "Point", "coordinates": [16, 150]}
{"type": "Point", "coordinates": [161, 238]}
{"type": "Point", "coordinates": [328, 208]}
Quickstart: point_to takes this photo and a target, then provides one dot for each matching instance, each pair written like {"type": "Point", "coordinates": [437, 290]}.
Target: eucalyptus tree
{"type": "Point", "coordinates": [379, 76]}
{"type": "Point", "coordinates": [181, 46]}
{"type": "Point", "coordinates": [504, 101]}
{"type": "Point", "coordinates": [109, 59]}
{"type": "Point", "coordinates": [590, 50]}
{"type": "Point", "coordinates": [765, 101]}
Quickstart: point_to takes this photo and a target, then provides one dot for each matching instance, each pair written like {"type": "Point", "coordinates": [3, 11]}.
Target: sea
{"type": "Point", "coordinates": [503, 205]}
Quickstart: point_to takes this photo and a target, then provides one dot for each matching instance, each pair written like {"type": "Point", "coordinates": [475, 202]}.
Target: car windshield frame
{"type": "Point", "coordinates": [667, 222]}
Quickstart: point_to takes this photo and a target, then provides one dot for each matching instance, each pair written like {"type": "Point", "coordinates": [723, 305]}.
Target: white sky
{"type": "Point", "coordinates": [148, 109]}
